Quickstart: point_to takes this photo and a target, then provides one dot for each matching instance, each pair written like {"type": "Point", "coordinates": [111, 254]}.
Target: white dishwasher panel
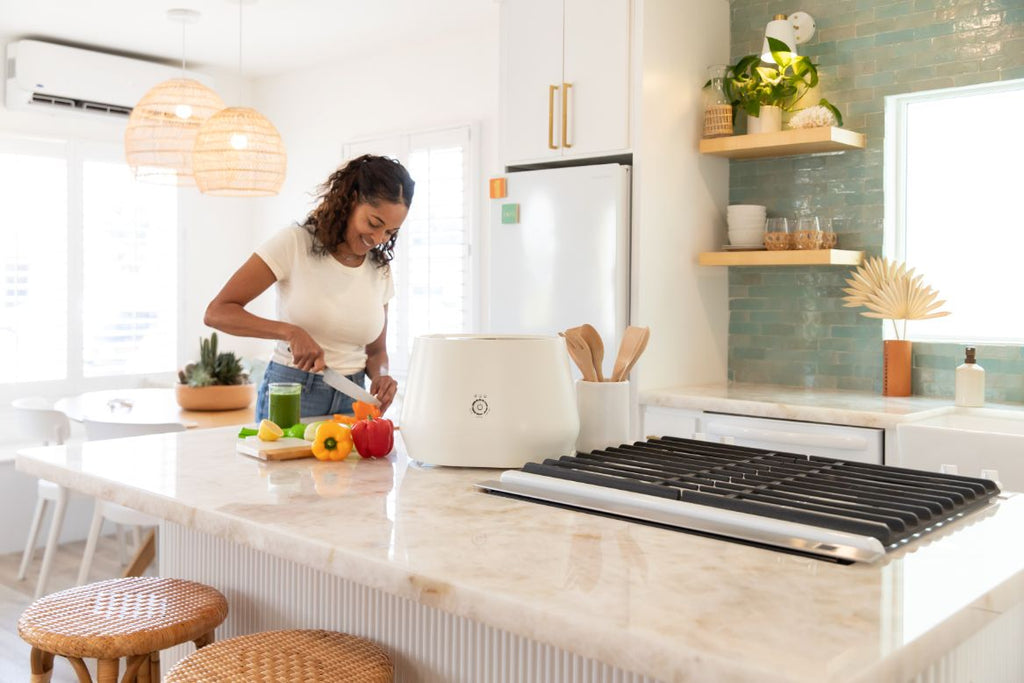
{"type": "Point", "coordinates": [857, 444]}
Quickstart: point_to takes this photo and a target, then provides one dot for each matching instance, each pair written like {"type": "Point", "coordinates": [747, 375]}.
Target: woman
{"type": "Point", "coordinates": [333, 287]}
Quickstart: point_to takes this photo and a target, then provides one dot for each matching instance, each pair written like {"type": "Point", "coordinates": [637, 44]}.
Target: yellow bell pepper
{"type": "Point", "coordinates": [333, 441]}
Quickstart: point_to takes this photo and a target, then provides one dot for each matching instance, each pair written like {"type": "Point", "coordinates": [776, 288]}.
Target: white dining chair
{"type": "Point", "coordinates": [104, 510]}
{"type": "Point", "coordinates": [37, 422]}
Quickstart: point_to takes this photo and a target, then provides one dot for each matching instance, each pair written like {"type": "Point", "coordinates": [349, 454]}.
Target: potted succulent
{"type": "Point", "coordinates": [753, 87]}
{"type": "Point", "coordinates": [217, 381]}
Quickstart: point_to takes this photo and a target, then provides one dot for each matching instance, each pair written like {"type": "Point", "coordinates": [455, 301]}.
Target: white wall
{"type": "Point", "coordinates": [678, 196]}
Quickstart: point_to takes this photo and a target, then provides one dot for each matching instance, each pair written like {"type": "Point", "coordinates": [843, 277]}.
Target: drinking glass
{"type": "Point", "coordinates": [828, 235]}
{"type": "Point", "coordinates": [285, 403]}
{"type": "Point", "coordinates": [808, 233]}
{"type": "Point", "coordinates": [776, 234]}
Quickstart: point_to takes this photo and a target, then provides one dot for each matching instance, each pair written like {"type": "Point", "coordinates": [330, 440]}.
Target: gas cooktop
{"type": "Point", "coordinates": [845, 511]}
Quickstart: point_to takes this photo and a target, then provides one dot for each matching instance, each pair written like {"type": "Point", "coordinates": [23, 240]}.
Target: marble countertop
{"type": "Point", "coordinates": [666, 604]}
{"type": "Point", "coordinates": [859, 409]}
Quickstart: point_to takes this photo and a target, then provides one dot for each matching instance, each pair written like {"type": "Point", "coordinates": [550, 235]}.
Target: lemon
{"type": "Point", "coordinates": [269, 431]}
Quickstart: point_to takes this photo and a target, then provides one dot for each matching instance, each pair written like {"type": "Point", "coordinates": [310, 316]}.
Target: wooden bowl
{"type": "Point", "coordinates": [218, 397]}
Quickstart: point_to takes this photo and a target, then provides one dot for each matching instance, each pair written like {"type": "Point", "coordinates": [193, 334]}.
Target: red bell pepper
{"type": "Point", "coordinates": [373, 437]}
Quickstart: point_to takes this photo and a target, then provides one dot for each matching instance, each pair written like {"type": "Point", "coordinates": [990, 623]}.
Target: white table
{"type": "Point", "coordinates": [145, 406]}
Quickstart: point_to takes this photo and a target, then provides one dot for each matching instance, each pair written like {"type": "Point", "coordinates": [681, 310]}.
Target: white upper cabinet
{"type": "Point", "coordinates": [565, 87]}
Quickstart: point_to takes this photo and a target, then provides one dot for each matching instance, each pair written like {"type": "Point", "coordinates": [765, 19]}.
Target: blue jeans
{"type": "Point", "coordinates": [318, 397]}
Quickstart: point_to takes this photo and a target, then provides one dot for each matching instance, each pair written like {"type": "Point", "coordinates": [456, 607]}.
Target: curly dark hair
{"type": "Point", "coordinates": [368, 179]}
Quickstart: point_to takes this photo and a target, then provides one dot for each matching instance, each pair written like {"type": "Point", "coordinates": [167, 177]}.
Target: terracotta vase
{"type": "Point", "coordinates": [219, 397]}
{"type": "Point", "coordinates": [896, 355]}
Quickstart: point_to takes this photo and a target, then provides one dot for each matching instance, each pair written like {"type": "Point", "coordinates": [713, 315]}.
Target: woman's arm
{"type": "Point", "coordinates": [227, 313]}
{"type": "Point", "coordinates": [382, 385]}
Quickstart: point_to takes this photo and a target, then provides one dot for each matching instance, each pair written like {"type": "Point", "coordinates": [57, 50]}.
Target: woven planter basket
{"type": "Point", "coordinates": [158, 141]}
{"type": "Point", "coordinates": [217, 397]}
{"type": "Point", "coordinates": [239, 153]}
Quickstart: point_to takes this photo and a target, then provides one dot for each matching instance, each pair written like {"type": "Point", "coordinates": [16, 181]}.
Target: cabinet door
{"type": "Point", "coordinates": [597, 67]}
{"type": "Point", "coordinates": [531, 63]}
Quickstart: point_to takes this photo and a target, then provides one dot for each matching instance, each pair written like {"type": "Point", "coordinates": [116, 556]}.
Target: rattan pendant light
{"type": "Point", "coordinates": [163, 125]}
{"type": "Point", "coordinates": [238, 152]}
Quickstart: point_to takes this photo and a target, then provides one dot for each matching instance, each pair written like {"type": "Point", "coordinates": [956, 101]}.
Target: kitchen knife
{"type": "Point", "coordinates": [348, 387]}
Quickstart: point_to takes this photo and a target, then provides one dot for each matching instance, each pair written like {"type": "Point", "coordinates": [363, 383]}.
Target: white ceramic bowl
{"type": "Point", "coordinates": [746, 224]}
{"type": "Point", "coordinates": [746, 210]}
{"type": "Point", "coordinates": [746, 239]}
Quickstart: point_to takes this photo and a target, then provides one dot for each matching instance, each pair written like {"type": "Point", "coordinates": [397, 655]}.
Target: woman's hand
{"type": "Point", "coordinates": [384, 387]}
{"type": "Point", "coordinates": [306, 353]}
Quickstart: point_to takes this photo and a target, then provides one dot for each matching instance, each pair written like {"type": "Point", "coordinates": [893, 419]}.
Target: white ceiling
{"type": "Point", "coordinates": [278, 35]}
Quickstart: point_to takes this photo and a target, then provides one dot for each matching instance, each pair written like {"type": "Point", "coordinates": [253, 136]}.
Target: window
{"type": "Point", "coordinates": [89, 266]}
{"type": "Point", "coordinates": [432, 258]}
{"type": "Point", "coordinates": [952, 206]}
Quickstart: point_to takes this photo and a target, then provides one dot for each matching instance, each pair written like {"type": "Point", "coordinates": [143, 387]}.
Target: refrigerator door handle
{"type": "Point", "coordinates": [565, 114]}
{"type": "Point", "coordinates": [551, 116]}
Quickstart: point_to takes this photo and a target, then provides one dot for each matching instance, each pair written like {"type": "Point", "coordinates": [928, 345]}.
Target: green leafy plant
{"type": "Point", "coordinates": [750, 85]}
{"type": "Point", "coordinates": [213, 368]}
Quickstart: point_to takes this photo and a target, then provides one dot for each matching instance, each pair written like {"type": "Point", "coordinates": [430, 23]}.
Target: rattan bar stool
{"type": "Point", "coordinates": [131, 618]}
{"type": "Point", "coordinates": [296, 656]}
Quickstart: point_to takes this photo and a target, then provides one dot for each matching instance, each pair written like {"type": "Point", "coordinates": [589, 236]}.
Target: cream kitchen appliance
{"type": "Point", "coordinates": [489, 400]}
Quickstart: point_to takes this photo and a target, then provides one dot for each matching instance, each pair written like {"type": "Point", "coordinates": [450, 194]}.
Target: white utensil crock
{"type": "Point", "coordinates": [488, 400]}
{"type": "Point", "coordinates": [604, 415]}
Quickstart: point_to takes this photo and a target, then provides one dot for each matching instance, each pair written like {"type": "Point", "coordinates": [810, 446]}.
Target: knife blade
{"type": "Point", "coordinates": [348, 387]}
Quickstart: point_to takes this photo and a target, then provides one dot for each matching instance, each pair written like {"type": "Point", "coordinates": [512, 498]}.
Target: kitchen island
{"type": "Point", "coordinates": [460, 585]}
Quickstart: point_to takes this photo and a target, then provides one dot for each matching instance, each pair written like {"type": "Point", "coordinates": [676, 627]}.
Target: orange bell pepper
{"type": "Point", "coordinates": [344, 419]}
{"type": "Point", "coordinates": [365, 410]}
{"type": "Point", "coordinates": [333, 441]}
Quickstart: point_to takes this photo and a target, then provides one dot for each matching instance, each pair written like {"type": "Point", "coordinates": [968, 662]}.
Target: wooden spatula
{"type": "Point", "coordinates": [579, 350]}
{"type": "Point", "coordinates": [593, 339]}
{"type": "Point", "coordinates": [634, 341]}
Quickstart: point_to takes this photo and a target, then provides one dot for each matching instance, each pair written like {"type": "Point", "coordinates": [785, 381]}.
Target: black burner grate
{"type": "Point", "coordinates": [888, 503]}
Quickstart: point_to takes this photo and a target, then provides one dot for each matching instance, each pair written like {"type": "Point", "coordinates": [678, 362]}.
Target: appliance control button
{"type": "Point", "coordinates": [479, 406]}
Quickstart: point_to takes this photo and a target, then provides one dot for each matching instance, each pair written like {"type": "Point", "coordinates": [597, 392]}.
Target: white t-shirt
{"type": "Point", "coordinates": [341, 307]}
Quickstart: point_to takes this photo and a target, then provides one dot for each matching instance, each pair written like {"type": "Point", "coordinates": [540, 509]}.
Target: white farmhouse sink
{"type": "Point", "coordinates": [972, 439]}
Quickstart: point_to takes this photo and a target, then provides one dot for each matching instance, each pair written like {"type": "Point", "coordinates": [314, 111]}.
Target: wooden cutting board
{"type": "Point", "coordinates": [285, 448]}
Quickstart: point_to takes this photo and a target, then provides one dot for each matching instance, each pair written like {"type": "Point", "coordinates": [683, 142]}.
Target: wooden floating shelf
{"type": "Point", "coordinates": [784, 143]}
{"type": "Point", "coordinates": [789, 257]}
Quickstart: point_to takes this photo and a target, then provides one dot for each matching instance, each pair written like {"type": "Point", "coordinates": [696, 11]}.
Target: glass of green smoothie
{"type": "Point", "coordinates": [285, 406]}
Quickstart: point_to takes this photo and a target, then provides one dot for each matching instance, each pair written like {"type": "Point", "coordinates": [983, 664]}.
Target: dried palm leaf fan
{"type": "Point", "coordinates": [238, 152]}
{"type": "Point", "coordinates": [163, 125]}
{"type": "Point", "coordinates": [888, 290]}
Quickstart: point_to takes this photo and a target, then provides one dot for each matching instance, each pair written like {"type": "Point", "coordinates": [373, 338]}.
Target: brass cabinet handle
{"type": "Point", "coordinates": [565, 114]}
{"type": "Point", "coordinates": [551, 116]}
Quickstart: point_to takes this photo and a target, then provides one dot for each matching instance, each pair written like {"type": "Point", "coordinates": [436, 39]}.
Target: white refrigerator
{"type": "Point", "coordinates": [559, 252]}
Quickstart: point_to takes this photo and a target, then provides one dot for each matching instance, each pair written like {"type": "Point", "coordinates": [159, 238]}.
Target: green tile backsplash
{"type": "Point", "coordinates": [788, 325]}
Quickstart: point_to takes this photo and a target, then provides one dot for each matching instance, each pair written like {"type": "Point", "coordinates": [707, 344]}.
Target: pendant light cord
{"type": "Point", "coordinates": [183, 49]}
{"type": "Point", "coordinates": [240, 3]}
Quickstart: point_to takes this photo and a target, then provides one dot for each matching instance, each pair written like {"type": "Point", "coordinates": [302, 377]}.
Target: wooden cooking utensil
{"type": "Point", "coordinates": [593, 339]}
{"type": "Point", "coordinates": [634, 341]}
{"type": "Point", "coordinates": [580, 353]}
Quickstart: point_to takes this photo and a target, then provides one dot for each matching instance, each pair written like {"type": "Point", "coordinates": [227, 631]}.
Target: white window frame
{"type": "Point", "coordinates": [398, 145]}
{"type": "Point", "coordinates": [76, 153]}
{"type": "Point", "coordinates": [894, 225]}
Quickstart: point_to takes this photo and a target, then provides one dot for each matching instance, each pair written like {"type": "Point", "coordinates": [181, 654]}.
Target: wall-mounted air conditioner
{"type": "Point", "coordinates": [55, 78]}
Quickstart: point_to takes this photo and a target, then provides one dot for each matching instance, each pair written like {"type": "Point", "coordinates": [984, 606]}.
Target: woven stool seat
{"type": "Point", "coordinates": [295, 656]}
{"type": "Point", "coordinates": [131, 618]}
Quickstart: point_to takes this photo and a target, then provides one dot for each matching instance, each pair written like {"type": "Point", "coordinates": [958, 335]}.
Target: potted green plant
{"type": "Point", "coordinates": [217, 381]}
{"type": "Point", "coordinates": [752, 86]}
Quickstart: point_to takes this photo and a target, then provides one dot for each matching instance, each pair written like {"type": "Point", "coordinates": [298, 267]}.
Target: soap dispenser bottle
{"type": "Point", "coordinates": [970, 381]}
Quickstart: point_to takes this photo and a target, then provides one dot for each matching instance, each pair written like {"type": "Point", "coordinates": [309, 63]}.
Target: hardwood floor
{"type": "Point", "coordinates": [16, 595]}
